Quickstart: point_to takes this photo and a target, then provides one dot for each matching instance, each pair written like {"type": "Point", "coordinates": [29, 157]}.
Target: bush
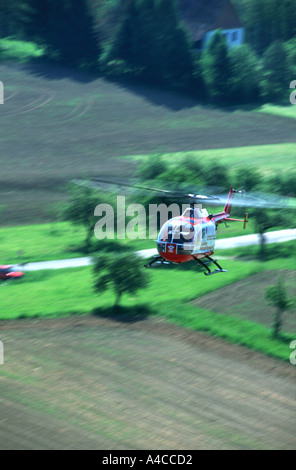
{"type": "Point", "coordinates": [276, 73]}
{"type": "Point", "coordinates": [216, 68]}
{"type": "Point", "coordinates": [245, 74]}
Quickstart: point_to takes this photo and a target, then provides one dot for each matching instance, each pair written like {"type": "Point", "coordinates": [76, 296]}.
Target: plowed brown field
{"type": "Point", "coordinates": [94, 383]}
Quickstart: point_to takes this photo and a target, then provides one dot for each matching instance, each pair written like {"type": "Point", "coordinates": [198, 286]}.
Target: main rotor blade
{"type": "Point", "coordinates": [165, 192]}
{"type": "Point", "coordinates": [261, 201]}
{"type": "Point", "coordinates": [250, 199]}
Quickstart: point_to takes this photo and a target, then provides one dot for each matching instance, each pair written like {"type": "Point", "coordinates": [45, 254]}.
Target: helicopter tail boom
{"type": "Point", "coordinates": [228, 205]}
{"type": "Point", "coordinates": [224, 216]}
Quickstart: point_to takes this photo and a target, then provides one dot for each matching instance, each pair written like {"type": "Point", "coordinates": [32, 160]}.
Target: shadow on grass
{"type": "Point", "coordinates": [160, 96]}
{"type": "Point", "coordinates": [122, 314]}
{"type": "Point", "coordinates": [281, 250]}
{"type": "Point", "coordinates": [271, 252]}
{"type": "Point", "coordinates": [99, 246]}
{"type": "Point", "coordinates": [157, 95]}
{"type": "Point", "coordinates": [44, 68]}
{"type": "Point", "coordinates": [106, 246]}
{"type": "Point", "coordinates": [191, 266]}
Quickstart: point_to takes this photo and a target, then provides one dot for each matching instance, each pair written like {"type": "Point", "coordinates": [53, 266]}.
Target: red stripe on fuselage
{"type": "Point", "coordinates": [175, 258]}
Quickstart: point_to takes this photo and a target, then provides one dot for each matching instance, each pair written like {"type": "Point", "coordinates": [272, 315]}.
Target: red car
{"type": "Point", "coordinates": [9, 272]}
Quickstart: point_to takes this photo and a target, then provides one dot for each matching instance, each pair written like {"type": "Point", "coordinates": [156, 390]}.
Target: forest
{"type": "Point", "coordinates": [147, 41]}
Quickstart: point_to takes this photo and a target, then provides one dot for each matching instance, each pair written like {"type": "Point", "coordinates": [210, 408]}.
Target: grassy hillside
{"type": "Point", "coordinates": [57, 125]}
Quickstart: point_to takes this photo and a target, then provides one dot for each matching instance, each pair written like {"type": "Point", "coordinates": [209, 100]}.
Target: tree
{"type": "Point", "coordinates": [152, 42]}
{"type": "Point", "coordinates": [290, 48]}
{"type": "Point", "coordinates": [151, 167]}
{"type": "Point", "coordinates": [66, 27]}
{"type": "Point", "coordinates": [245, 76]}
{"type": "Point", "coordinates": [264, 220]}
{"type": "Point", "coordinates": [215, 174]}
{"type": "Point", "coordinates": [216, 67]}
{"type": "Point", "coordinates": [266, 21]}
{"type": "Point", "coordinates": [13, 17]}
{"type": "Point", "coordinates": [80, 209]}
{"type": "Point", "coordinates": [123, 273]}
{"type": "Point", "coordinates": [277, 296]}
{"type": "Point", "coordinates": [287, 29]}
{"type": "Point", "coordinates": [276, 74]}
{"type": "Point", "coordinates": [172, 47]}
{"type": "Point", "coordinates": [247, 178]}
{"type": "Point", "coordinates": [282, 183]}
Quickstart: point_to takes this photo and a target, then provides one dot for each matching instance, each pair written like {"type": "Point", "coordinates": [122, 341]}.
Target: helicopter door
{"type": "Point", "coordinates": [198, 238]}
{"type": "Point", "coordinates": [210, 230]}
{"type": "Point", "coordinates": [205, 239]}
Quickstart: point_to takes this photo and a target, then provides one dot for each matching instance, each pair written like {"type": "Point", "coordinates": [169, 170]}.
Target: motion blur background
{"type": "Point", "coordinates": [188, 94]}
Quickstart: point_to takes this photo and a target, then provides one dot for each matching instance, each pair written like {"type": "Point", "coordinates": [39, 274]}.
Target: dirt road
{"type": "Point", "coordinates": [95, 383]}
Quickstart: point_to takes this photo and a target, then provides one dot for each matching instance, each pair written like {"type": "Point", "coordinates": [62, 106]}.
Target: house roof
{"type": "Point", "coordinates": [201, 16]}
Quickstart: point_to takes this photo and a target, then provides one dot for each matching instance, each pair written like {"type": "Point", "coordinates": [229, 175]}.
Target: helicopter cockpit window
{"type": "Point", "coordinates": [177, 233]}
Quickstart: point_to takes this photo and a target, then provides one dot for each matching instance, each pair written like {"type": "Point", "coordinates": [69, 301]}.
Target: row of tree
{"type": "Point", "coordinates": [151, 44]}
{"type": "Point", "coordinates": [146, 40]}
{"type": "Point", "coordinates": [266, 21]}
{"type": "Point", "coordinates": [240, 76]}
{"type": "Point", "coordinates": [193, 172]}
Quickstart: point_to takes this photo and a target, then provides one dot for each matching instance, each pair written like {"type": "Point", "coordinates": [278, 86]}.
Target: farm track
{"type": "Point", "coordinates": [98, 383]}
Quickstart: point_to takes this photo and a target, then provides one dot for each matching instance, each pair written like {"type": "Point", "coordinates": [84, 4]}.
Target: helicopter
{"type": "Point", "coordinates": [190, 237]}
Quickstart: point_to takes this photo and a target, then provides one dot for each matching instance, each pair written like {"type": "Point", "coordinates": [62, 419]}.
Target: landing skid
{"type": "Point", "coordinates": [219, 270]}
{"type": "Point", "coordinates": [156, 260]}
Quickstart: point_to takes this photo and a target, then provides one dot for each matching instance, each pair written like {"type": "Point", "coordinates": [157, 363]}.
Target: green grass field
{"type": "Point", "coordinates": [286, 111]}
{"type": "Point", "coordinates": [70, 291]}
{"type": "Point", "coordinates": [60, 240]}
